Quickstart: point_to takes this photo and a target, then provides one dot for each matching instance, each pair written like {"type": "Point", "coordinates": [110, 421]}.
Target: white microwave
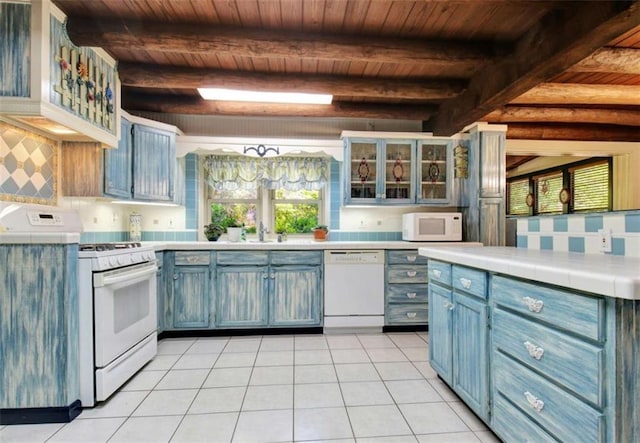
{"type": "Point", "coordinates": [432, 226]}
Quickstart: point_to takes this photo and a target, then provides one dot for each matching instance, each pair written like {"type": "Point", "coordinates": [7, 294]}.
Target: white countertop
{"type": "Point", "coordinates": [605, 274]}
{"type": "Point", "coordinates": [299, 244]}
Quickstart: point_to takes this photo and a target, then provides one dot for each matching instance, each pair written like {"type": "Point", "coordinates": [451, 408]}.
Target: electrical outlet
{"type": "Point", "coordinates": [605, 240]}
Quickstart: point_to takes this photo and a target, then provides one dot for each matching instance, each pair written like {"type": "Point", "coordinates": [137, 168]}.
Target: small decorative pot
{"type": "Point", "coordinates": [320, 234]}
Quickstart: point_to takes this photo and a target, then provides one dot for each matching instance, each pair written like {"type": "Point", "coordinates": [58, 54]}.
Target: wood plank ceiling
{"type": "Point", "coordinates": [549, 69]}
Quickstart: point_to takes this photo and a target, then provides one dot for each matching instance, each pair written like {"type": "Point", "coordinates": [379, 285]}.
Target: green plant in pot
{"type": "Point", "coordinates": [221, 219]}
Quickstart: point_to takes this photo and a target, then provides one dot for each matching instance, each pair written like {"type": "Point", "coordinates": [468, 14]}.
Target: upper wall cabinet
{"type": "Point", "coordinates": [47, 82]}
{"type": "Point", "coordinates": [142, 168]}
{"type": "Point", "coordinates": [397, 171]}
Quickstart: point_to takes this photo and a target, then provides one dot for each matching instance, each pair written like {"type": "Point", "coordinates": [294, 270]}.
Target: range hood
{"type": "Point", "coordinates": [53, 87]}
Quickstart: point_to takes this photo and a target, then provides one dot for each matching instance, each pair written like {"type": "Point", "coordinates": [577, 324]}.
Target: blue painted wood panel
{"type": "Point", "coordinates": [242, 296]}
{"type": "Point", "coordinates": [191, 296]}
{"type": "Point", "coordinates": [577, 365]}
{"type": "Point", "coordinates": [405, 257]}
{"type": "Point", "coordinates": [118, 165]}
{"type": "Point", "coordinates": [153, 163]}
{"type": "Point", "coordinates": [38, 326]}
{"type": "Point", "coordinates": [15, 50]}
{"type": "Point", "coordinates": [560, 413]}
{"type": "Point", "coordinates": [295, 296]}
{"type": "Point", "coordinates": [579, 314]}
{"type": "Point", "coordinates": [470, 352]}
{"type": "Point", "coordinates": [440, 331]}
{"type": "Point", "coordinates": [511, 424]}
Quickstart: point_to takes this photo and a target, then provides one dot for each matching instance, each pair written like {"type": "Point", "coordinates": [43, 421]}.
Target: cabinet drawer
{"type": "Point", "coordinates": [570, 362]}
{"type": "Point", "coordinates": [512, 425]}
{"type": "Point", "coordinates": [580, 314]}
{"type": "Point", "coordinates": [407, 274]}
{"type": "Point", "coordinates": [407, 313]}
{"type": "Point", "coordinates": [296, 257]}
{"type": "Point", "coordinates": [562, 414]}
{"type": "Point", "coordinates": [408, 293]}
{"type": "Point", "coordinates": [243, 257]}
{"type": "Point", "coordinates": [405, 257]}
{"type": "Point", "coordinates": [192, 258]}
{"type": "Point", "coordinates": [440, 272]}
{"type": "Point", "coordinates": [469, 280]}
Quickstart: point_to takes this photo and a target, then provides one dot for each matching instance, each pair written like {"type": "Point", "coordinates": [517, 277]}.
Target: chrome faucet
{"type": "Point", "coordinates": [261, 231]}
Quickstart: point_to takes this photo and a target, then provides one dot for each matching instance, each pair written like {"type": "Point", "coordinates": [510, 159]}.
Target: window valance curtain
{"type": "Point", "coordinates": [291, 173]}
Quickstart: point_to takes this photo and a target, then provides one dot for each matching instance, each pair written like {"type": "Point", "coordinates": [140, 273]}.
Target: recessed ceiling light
{"type": "Point", "coordinates": [264, 97]}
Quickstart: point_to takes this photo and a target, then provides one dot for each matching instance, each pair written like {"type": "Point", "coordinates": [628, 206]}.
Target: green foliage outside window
{"type": "Point", "coordinates": [295, 212]}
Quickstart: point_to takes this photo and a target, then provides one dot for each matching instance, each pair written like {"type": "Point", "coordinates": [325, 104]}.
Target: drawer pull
{"type": "Point", "coordinates": [466, 283]}
{"type": "Point", "coordinates": [448, 305]}
{"type": "Point", "coordinates": [533, 350]}
{"type": "Point", "coordinates": [411, 295]}
{"type": "Point", "coordinates": [411, 315]}
{"type": "Point", "coordinates": [411, 273]}
{"type": "Point", "coordinates": [412, 258]}
{"type": "Point", "coordinates": [192, 259]}
{"type": "Point", "coordinates": [534, 401]}
{"type": "Point", "coordinates": [533, 304]}
{"type": "Point", "coordinates": [436, 273]}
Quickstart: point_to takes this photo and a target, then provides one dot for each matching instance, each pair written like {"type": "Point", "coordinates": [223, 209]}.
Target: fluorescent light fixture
{"type": "Point", "coordinates": [238, 95]}
{"type": "Point", "coordinates": [142, 203]}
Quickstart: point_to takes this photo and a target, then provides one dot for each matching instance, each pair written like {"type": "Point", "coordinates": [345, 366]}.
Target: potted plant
{"type": "Point", "coordinates": [320, 233]}
{"type": "Point", "coordinates": [221, 220]}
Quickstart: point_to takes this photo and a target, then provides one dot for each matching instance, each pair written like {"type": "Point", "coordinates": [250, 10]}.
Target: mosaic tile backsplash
{"type": "Point", "coordinates": [27, 166]}
{"type": "Point", "coordinates": [579, 232]}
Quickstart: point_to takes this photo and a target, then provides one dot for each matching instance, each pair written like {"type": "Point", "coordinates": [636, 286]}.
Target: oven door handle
{"type": "Point", "coordinates": [123, 279]}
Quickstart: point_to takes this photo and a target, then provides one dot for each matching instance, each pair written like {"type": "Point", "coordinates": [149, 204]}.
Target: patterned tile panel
{"type": "Point", "coordinates": [27, 166]}
{"type": "Point", "coordinates": [579, 232]}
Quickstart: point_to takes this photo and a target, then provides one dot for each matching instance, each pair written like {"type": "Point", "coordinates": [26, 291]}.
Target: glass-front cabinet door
{"type": "Point", "coordinates": [433, 170]}
{"type": "Point", "coordinates": [398, 171]}
{"type": "Point", "coordinates": [361, 171]}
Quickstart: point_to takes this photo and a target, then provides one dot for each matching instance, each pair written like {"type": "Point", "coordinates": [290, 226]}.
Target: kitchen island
{"type": "Point", "coordinates": [542, 345]}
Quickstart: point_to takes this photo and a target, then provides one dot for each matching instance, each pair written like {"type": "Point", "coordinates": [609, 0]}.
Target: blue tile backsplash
{"type": "Point", "coordinates": [579, 232]}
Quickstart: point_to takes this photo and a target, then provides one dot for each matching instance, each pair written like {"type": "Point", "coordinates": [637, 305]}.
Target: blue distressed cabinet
{"type": "Point", "coordinates": [39, 336]}
{"type": "Point", "coordinates": [154, 163]}
{"type": "Point", "coordinates": [549, 363]}
{"type": "Point", "coordinates": [434, 172]}
{"type": "Point", "coordinates": [160, 290]}
{"type": "Point", "coordinates": [118, 173]}
{"type": "Point", "coordinates": [268, 288]}
{"type": "Point", "coordinates": [243, 288]}
{"type": "Point", "coordinates": [379, 171]}
{"type": "Point", "coordinates": [296, 288]}
{"type": "Point", "coordinates": [190, 276]}
{"type": "Point", "coordinates": [143, 167]}
{"type": "Point", "coordinates": [406, 288]}
{"type": "Point", "coordinates": [459, 331]}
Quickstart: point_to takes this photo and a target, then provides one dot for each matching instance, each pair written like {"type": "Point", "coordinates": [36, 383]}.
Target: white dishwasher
{"type": "Point", "coordinates": [353, 289]}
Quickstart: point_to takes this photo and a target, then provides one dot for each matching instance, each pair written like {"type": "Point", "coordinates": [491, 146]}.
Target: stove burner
{"type": "Point", "coordinates": [109, 246]}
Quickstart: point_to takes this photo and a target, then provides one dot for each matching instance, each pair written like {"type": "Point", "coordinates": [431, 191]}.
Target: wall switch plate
{"type": "Point", "coordinates": [605, 240]}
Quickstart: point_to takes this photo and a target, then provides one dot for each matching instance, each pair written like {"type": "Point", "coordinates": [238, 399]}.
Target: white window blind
{"type": "Point", "coordinates": [518, 191]}
{"type": "Point", "coordinates": [590, 185]}
{"type": "Point", "coordinates": [548, 193]}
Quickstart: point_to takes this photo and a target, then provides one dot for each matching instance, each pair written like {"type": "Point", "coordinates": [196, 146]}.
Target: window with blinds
{"type": "Point", "coordinates": [590, 187]}
{"type": "Point", "coordinates": [547, 193]}
{"type": "Point", "coordinates": [518, 191]}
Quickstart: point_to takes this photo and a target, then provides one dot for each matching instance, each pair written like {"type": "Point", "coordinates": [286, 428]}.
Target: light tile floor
{"type": "Point", "coordinates": [343, 388]}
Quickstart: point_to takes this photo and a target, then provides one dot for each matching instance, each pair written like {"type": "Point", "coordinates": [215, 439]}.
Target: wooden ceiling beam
{"type": "Point", "coordinates": [610, 60]}
{"type": "Point", "coordinates": [613, 133]}
{"type": "Point", "coordinates": [189, 39]}
{"type": "Point", "coordinates": [580, 94]}
{"type": "Point", "coordinates": [174, 77]}
{"type": "Point", "coordinates": [176, 104]}
{"type": "Point", "coordinates": [559, 40]}
{"type": "Point", "coordinates": [538, 114]}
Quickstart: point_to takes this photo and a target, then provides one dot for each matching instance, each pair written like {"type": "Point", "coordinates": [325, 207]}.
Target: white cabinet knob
{"type": "Point", "coordinates": [465, 282]}
{"type": "Point", "coordinates": [411, 295]}
{"type": "Point", "coordinates": [411, 273]}
{"type": "Point", "coordinates": [436, 273]}
{"type": "Point", "coordinates": [412, 258]}
{"type": "Point", "coordinates": [534, 401]}
{"type": "Point", "coordinates": [533, 304]}
{"type": "Point", "coordinates": [534, 351]}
